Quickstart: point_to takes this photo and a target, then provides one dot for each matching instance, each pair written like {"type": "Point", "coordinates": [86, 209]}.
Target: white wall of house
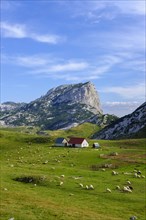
{"type": "Point", "coordinates": [84, 144]}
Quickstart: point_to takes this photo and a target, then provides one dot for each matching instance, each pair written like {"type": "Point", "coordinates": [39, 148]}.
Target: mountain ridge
{"type": "Point", "coordinates": [128, 126]}
{"type": "Point", "coordinates": [62, 107]}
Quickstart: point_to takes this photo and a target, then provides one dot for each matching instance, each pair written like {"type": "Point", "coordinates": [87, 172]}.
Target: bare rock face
{"type": "Point", "coordinates": [77, 93]}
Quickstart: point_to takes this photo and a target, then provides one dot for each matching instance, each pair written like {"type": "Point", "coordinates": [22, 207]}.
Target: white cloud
{"type": "Point", "coordinates": [53, 39]}
{"type": "Point", "coordinates": [129, 92]}
{"type": "Point", "coordinates": [20, 31]}
{"type": "Point", "coordinates": [26, 61]}
{"type": "Point", "coordinates": [13, 31]}
{"type": "Point", "coordinates": [120, 108]}
{"type": "Point", "coordinates": [131, 7]}
{"type": "Point", "coordinates": [70, 66]}
{"type": "Point", "coordinates": [95, 11]}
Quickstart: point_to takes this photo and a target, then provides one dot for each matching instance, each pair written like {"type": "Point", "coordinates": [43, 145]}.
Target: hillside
{"type": "Point", "coordinates": [32, 170]}
{"type": "Point", "coordinates": [63, 107]}
{"type": "Point", "coordinates": [129, 126]}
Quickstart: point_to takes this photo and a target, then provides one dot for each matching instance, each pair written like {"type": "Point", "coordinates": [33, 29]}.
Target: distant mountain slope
{"type": "Point", "coordinates": [8, 106]}
{"type": "Point", "coordinates": [63, 107]}
{"type": "Point", "coordinates": [132, 125]}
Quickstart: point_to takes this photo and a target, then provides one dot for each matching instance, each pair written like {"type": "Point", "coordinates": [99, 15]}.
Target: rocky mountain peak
{"type": "Point", "coordinates": [83, 93]}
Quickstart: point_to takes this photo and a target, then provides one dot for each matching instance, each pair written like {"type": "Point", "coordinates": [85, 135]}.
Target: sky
{"type": "Point", "coordinates": [47, 43]}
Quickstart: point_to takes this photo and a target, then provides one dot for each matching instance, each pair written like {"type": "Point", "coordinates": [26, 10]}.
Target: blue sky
{"type": "Point", "coordinates": [49, 43]}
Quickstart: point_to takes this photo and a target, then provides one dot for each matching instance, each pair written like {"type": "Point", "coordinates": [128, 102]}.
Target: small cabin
{"type": "Point", "coordinates": [96, 145]}
{"type": "Point", "coordinates": [78, 142]}
{"type": "Point", "coordinates": [61, 142]}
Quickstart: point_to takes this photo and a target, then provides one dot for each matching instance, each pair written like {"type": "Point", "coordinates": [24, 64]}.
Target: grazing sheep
{"type": "Point", "coordinates": [133, 218]}
{"type": "Point", "coordinates": [142, 176]}
{"type": "Point", "coordinates": [103, 169]}
{"type": "Point", "coordinates": [71, 194]}
{"type": "Point", "coordinates": [139, 172]}
{"type": "Point", "coordinates": [62, 176]}
{"type": "Point", "coordinates": [81, 185]}
{"type": "Point", "coordinates": [108, 190]}
{"type": "Point", "coordinates": [87, 187]}
{"type": "Point", "coordinates": [127, 189]}
{"type": "Point", "coordinates": [91, 186]}
{"type": "Point", "coordinates": [114, 173]}
{"type": "Point", "coordinates": [5, 189]}
{"type": "Point", "coordinates": [118, 187]}
{"type": "Point", "coordinates": [61, 183]}
{"type": "Point", "coordinates": [128, 182]}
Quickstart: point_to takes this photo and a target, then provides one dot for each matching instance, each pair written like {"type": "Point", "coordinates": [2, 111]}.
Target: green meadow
{"type": "Point", "coordinates": [41, 182]}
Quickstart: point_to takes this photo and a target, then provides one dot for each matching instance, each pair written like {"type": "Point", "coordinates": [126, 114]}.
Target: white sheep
{"type": "Point", "coordinates": [127, 189]}
{"type": "Point", "coordinates": [142, 176]}
{"type": "Point", "coordinates": [81, 185]}
{"type": "Point", "coordinates": [62, 175]}
{"type": "Point", "coordinates": [61, 183]}
{"type": "Point", "coordinates": [91, 186]}
{"type": "Point", "coordinates": [71, 194]}
{"type": "Point", "coordinates": [114, 173]}
{"type": "Point", "coordinates": [118, 187]}
{"type": "Point", "coordinates": [5, 189]}
{"type": "Point", "coordinates": [108, 190]}
{"type": "Point", "coordinates": [128, 182]}
{"type": "Point", "coordinates": [87, 187]}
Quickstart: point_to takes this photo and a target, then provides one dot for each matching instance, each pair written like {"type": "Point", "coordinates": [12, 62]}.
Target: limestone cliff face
{"type": "Point", "coordinates": [77, 93]}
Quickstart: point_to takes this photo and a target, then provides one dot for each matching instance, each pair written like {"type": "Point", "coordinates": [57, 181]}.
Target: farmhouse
{"type": "Point", "coordinates": [61, 142]}
{"type": "Point", "coordinates": [78, 142]}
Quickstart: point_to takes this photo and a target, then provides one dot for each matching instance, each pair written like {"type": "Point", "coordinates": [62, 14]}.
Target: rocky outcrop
{"type": "Point", "coordinates": [8, 106]}
{"type": "Point", "coordinates": [126, 127]}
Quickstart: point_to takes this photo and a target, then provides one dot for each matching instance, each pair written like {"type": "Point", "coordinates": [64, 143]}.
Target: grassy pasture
{"type": "Point", "coordinates": [38, 166]}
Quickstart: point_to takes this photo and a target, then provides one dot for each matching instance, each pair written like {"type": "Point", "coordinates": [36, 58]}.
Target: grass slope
{"type": "Point", "coordinates": [32, 159]}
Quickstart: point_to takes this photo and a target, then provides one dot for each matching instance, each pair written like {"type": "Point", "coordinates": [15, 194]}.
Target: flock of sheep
{"type": "Point", "coordinates": [127, 188]}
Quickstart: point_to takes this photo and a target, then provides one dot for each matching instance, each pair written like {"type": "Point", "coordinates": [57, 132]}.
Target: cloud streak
{"type": "Point", "coordinates": [120, 108]}
{"type": "Point", "coordinates": [95, 11]}
{"type": "Point", "coordinates": [136, 91]}
{"type": "Point", "coordinates": [20, 31]}
{"type": "Point", "coordinates": [71, 70]}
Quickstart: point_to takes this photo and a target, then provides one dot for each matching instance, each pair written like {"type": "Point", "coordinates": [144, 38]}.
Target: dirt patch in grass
{"type": "Point", "coordinates": [95, 167]}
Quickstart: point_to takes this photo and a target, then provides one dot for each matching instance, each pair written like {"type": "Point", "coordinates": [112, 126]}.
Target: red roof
{"type": "Point", "coordinates": [76, 140]}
